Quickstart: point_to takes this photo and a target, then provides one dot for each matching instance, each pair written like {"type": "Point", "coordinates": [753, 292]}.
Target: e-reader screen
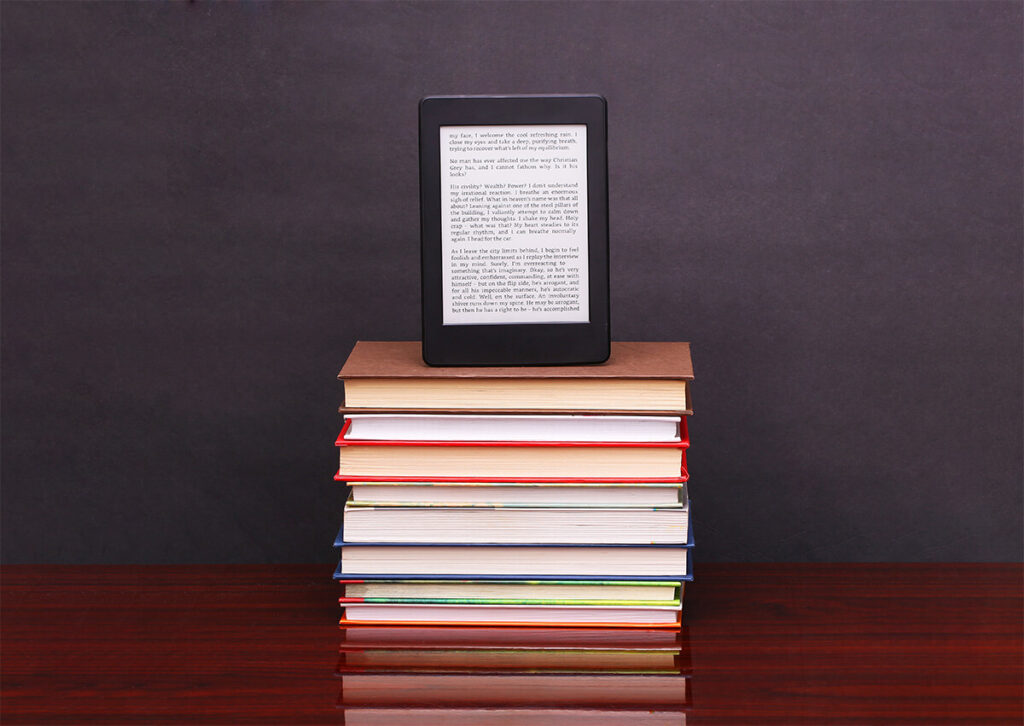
{"type": "Point", "coordinates": [514, 235]}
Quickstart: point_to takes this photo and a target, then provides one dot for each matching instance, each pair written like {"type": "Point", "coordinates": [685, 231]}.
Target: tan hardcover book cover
{"type": "Point", "coordinates": [401, 359]}
{"type": "Point", "coordinates": [638, 377]}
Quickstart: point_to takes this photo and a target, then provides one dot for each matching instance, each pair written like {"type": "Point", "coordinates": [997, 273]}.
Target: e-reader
{"type": "Point", "coordinates": [514, 230]}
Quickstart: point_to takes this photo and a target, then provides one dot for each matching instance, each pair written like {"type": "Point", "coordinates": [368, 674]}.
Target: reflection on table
{"type": "Point", "coordinates": [482, 675]}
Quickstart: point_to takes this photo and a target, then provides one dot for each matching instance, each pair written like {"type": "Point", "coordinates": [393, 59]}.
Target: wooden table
{"type": "Point", "coordinates": [768, 644]}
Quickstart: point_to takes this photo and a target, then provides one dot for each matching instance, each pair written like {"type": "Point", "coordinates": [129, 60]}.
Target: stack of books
{"type": "Point", "coordinates": [488, 675]}
{"type": "Point", "coordinates": [541, 496]}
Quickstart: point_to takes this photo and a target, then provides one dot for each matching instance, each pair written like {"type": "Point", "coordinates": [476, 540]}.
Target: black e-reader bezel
{"type": "Point", "coordinates": [525, 343]}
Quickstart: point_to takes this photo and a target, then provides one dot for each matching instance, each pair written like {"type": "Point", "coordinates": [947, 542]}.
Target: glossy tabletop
{"type": "Point", "coordinates": [762, 644]}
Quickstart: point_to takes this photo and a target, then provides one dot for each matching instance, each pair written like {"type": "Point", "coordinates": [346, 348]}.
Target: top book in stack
{"type": "Point", "coordinates": [637, 378]}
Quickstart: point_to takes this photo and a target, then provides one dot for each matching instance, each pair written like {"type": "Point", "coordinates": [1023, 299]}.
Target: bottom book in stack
{"type": "Point", "coordinates": [491, 676]}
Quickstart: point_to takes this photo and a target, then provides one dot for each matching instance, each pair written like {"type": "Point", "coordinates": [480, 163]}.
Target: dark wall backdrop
{"type": "Point", "coordinates": [205, 205]}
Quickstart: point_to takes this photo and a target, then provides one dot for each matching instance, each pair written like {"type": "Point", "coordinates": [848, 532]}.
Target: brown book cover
{"type": "Point", "coordinates": [402, 359]}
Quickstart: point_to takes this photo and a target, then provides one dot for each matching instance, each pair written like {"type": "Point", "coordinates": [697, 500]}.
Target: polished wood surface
{"type": "Point", "coordinates": [765, 644]}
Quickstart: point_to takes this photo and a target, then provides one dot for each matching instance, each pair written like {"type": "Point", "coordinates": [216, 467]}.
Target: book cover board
{"type": "Point", "coordinates": [628, 360]}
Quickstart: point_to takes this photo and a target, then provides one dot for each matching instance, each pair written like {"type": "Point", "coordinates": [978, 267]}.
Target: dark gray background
{"type": "Point", "coordinates": [206, 205]}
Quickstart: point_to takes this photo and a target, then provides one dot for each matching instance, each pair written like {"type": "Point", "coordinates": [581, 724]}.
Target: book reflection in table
{"type": "Point", "coordinates": [492, 675]}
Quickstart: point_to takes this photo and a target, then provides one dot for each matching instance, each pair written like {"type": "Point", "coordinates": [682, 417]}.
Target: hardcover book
{"type": "Point", "coordinates": [560, 615]}
{"type": "Point", "coordinates": [638, 377]}
{"type": "Point", "coordinates": [400, 561]}
{"type": "Point", "coordinates": [517, 524]}
{"type": "Point", "coordinates": [496, 460]}
{"type": "Point", "coordinates": [555, 494]}
{"type": "Point", "coordinates": [513, 427]}
{"type": "Point", "coordinates": [515, 591]}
